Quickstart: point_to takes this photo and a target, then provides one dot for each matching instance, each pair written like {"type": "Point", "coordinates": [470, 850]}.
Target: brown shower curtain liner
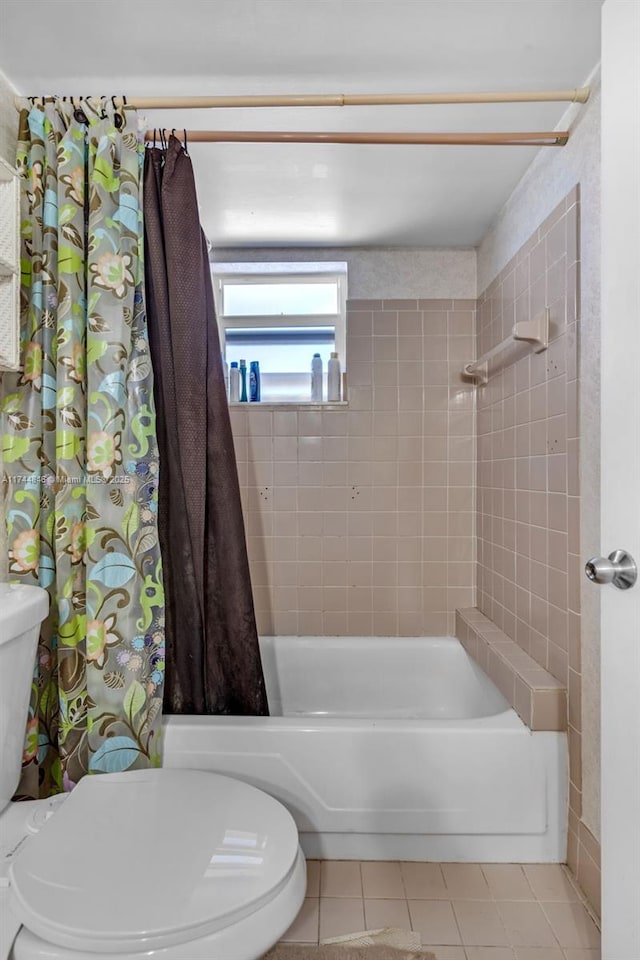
{"type": "Point", "coordinates": [213, 658]}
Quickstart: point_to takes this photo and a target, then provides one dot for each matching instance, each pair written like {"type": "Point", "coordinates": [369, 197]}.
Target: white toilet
{"type": "Point", "coordinates": [154, 864]}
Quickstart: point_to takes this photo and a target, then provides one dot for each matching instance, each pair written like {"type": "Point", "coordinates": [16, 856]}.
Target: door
{"type": "Point", "coordinates": [620, 525]}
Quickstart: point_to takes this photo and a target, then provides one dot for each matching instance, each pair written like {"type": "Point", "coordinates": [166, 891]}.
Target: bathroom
{"type": "Point", "coordinates": [445, 727]}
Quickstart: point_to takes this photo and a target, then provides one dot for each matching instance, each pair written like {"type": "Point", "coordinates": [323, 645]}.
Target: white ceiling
{"type": "Point", "coordinates": [304, 194]}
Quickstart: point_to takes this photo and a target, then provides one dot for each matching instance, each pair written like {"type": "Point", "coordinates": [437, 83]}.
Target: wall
{"type": "Point", "coordinates": [383, 272]}
{"type": "Point", "coordinates": [552, 175]}
{"type": "Point", "coordinates": [8, 121]}
{"type": "Point", "coordinates": [528, 441]}
{"type": "Point", "coordinates": [8, 138]}
{"type": "Point", "coordinates": [360, 519]}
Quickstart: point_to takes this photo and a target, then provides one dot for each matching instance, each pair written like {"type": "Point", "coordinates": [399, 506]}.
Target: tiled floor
{"type": "Point", "coordinates": [464, 911]}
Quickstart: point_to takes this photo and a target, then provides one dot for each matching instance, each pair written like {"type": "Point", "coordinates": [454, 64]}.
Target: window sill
{"type": "Point", "coordinates": [291, 404]}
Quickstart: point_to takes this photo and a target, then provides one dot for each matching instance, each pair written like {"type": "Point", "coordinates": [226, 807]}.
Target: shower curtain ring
{"type": "Point", "coordinates": [78, 112]}
{"type": "Point", "coordinates": [118, 118]}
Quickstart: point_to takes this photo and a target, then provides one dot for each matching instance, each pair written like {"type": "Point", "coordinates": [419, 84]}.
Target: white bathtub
{"type": "Point", "coordinates": [390, 748]}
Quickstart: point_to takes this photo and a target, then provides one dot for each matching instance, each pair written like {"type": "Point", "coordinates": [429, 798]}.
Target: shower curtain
{"type": "Point", "coordinates": [213, 658]}
{"type": "Point", "coordinates": [79, 449]}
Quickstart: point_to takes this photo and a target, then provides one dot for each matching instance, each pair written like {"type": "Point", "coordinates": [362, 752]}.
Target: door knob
{"type": "Point", "coordinates": [619, 569]}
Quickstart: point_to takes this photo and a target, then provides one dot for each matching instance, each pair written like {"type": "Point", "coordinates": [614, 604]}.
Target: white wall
{"type": "Point", "coordinates": [8, 121]}
{"type": "Point", "coordinates": [8, 136]}
{"type": "Point", "coordinates": [546, 182]}
{"type": "Point", "coordinates": [383, 272]}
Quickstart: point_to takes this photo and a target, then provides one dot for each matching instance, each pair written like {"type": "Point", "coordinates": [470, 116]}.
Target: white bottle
{"type": "Point", "coordinates": [225, 367]}
{"type": "Point", "coordinates": [234, 383]}
{"type": "Point", "coordinates": [316, 378]}
{"type": "Point", "coordinates": [333, 378]}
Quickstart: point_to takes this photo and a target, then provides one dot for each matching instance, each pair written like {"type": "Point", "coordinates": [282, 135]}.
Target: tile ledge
{"type": "Point", "coordinates": [539, 699]}
{"type": "Point", "coordinates": [291, 404]}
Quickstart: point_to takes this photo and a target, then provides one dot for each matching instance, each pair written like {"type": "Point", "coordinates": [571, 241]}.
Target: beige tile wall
{"type": "Point", "coordinates": [360, 519]}
{"type": "Point", "coordinates": [529, 566]}
{"type": "Point", "coordinates": [528, 497]}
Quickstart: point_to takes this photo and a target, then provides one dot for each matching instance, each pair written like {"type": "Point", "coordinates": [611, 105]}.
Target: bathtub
{"type": "Point", "coordinates": [387, 748]}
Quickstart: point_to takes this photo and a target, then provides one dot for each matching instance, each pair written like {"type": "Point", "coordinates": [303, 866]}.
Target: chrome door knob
{"type": "Point", "coordinates": [619, 569]}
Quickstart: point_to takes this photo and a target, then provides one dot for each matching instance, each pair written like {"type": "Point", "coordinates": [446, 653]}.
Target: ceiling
{"type": "Point", "coordinates": [304, 194]}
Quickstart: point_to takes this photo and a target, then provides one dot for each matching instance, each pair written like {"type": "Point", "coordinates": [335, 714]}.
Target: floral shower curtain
{"type": "Point", "coordinates": [79, 449]}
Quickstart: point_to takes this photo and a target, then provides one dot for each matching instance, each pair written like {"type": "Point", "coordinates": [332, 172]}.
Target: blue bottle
{"type": "Point", "coordinates": [254, 381]}
{"type": "Point", "coordinates": [243, 381]}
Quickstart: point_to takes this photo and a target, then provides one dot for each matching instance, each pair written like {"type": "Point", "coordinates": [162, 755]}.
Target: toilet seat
{"type": "Point", "coordinates": [145, 860]}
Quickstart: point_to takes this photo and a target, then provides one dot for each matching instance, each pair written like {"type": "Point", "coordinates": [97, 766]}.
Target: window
{"type": "Point", "coordinates": [280, 314]}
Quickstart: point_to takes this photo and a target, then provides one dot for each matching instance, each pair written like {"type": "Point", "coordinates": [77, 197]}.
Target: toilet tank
{"type": "Point", "coordinates": [22, 610]}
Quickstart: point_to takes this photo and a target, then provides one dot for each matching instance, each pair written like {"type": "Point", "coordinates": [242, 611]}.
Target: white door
{"type": "Point", "coordinates": [620, 527]}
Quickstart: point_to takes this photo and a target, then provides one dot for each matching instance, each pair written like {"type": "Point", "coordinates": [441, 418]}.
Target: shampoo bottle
{"type": "Point", "coordinates": [243, 381]}
{"type": "Point", "coordinates": [254, 381]}
{"type": "Point", "coordinates": [234, 382]}
{"type": "Point", "coordinates": [333, 378]}
{"type": "Point", "coordinates": [316, 378]}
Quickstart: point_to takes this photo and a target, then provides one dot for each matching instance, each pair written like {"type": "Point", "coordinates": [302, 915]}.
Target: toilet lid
{"type": "Point", "coordinates": [149, 859]}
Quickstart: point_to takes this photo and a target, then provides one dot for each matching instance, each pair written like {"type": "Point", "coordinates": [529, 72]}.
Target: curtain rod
{"type": "Point", "coordinates": [554, 138]}
{"type": "Point", "coordinates": [575, 95]}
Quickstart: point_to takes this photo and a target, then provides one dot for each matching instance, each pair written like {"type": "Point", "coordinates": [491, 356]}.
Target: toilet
{"type": "Point", "coordinates": [156, 864]}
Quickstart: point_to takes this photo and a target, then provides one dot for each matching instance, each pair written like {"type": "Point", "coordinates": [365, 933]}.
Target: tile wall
{"type": "Point", "coordinates": [360, 518]}
{"type": "Point", "coordinates": [529, 565]}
